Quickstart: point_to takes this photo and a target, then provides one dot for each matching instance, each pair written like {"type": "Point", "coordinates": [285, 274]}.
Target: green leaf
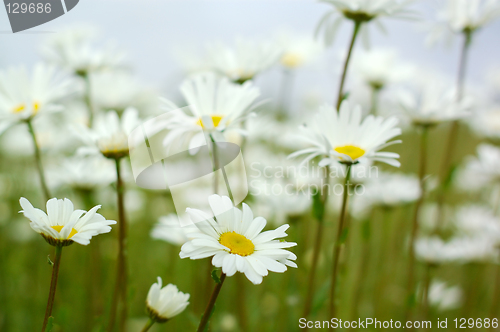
{"type": "Point", "coordinates": [50, 324]}
{"type": "Point", "coordinates": [318, 206]}
{"type": "Point", "coordinates": [51, 263]}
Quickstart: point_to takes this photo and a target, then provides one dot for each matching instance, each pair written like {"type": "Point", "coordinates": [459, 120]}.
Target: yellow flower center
{"type": "Point", "coordinates": [291, 60]}
{"type": "Point", "coordinates": [36, 107]}
{"type": "Point", "coordinates": [216, 119]}
{"type": "Point", "coordinates": [237, 243]}
{"type": "Point", "coordinates": [19, 108]}
{"type": "Point", "coordinates": [59, 228]}
{"type": "Point", "coordinates": [352, 151]}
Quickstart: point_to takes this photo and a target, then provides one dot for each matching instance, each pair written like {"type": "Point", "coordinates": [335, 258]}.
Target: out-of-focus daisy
{"type": "Point", "coordinates": [444, 297]}
{"type": "Point", "coordinates": [360, 12]}
{"type": "Point", "coordinates": [459, 249]}
{"type": "Point", "coordinates": [477, 221]}
{"type": "Point", "coordinates": [216, 104]}
{"type": "Point", "coordinates": [110, 133]}
{"type": "Point", "coordinates": [236, 241]}
{"type": "Point", "coordinates": [74, 50]}
{"type": "Point", "coordinates": [24, 95]}
{"type": "Point", "coordinates": [62, 224]}
{"type": "Point", "coordinates": [487, 123]}
{"type": "Point", "coordinates": [164, 303]}
{"type": "Point", "coordinates": [432, 100]}
{"type": "Point", "coordinates": [169, 229]}
{"type": "Point", "coordinates": [244, 60]}
{"type": "Point", "coordinates": [297, 50]}
{"type": "Point", "coordinates": [463, 16]}
{"type": "Point", "coordinates": [344, 137]}
{"type": "Point", "coordinates": [379, 67]}
{"type": "Point", "coordinates": [481, 171]}
{"type": "Point", "coordinates": [84, 172]}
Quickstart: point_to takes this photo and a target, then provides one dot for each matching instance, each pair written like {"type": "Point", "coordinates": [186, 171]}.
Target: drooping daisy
{"type": "Point", "coordinates": [344, 137]}
{"type": "Point", "coordinates": [244, 60]}
{"type": "Point", "coordinates": [236, 241]}
{"type": "Point", "coordinates": [432, 100]}
{"type": "Point", "coordinates": [164, 303]}
{"type": "Point", "coordinates": [216, 104]}
{"type": "Point", "coordinates": [62, 224]}
{"type": "Point", "coordinates": [360, 12]}
{"type": "Point", "coordinates": [463, 16]}
{"type": "Point", "coordinates": [24, 95]}
{"type": "Point", "coordinates": [74, 49]}
{"type": "Point", "coordinates": [110, 133]}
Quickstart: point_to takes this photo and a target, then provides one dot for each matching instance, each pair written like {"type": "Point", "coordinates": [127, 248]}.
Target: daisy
{"type": "Point", "coordinates": [459, 249]}
{"type": "Point", "coordinates": [62, 224]}
{"type": "Point", "coordinates": [170, 230]}
{"type": "Point", "coordinates": [110, 133]}
{"type": "Point", "coordinates": [477, 221]}
{"type": "Point", "coordinates": [487, 123]}
{"type": "Point", "coordinates": [298, 50]}
{"type": "Point", "coordinates": [463, 16]}
{"type": "Point", "coordinates": [216, 104]}
{"type": "Point", "coordinates": [25, 95]}
{"type": "Point", "coordinates": [444, 297]}
{"type": "Point", "coordinates": [481, 171]}
{"type": "Point", "coordinates": [236, 241]}
{"type": "Point", "coordinates": [164, 303]}
{"type": "Point", "coordinates": [432, 100]}
{"type": "Point", "coordinates": [344, 137]}
{"type": "Point", "coordinates": [244, 60]}
{"type": "Point", "coordinates": [360, 11]}
{"type": "Point", "coordinates": [74, 50]}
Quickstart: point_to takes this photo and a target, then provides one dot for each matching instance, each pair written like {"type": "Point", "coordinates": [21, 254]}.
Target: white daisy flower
{"type": "Point", "coordinates": [432, 100]}
{"type": "Point", "coordinates": [244, 60]}
{"type": "Point", "coordinates": [74, 50]}
{"type": "Point", "coordinates": [63, 225]}
{"type": "Point", "coordinates": [460, 16]}
{"type": "Point", "coordinates": [216, 104]}
{"type": "Point", "coordinates": [236, 241]}
{"type": "Point", "coordinates": [444, 297]}
{"type": "Point", "coordinates": [379, 67]}
{"type": "Point", "coordinates": [361, 11]}
{"type": "Point", "coordinates": [477, 221]}
{"type": "Point", "coordinates": [487, 123]}
{"type": "Point", "coordinates": [459, 249]}
{"type": "Point", "coordinates": [110, 133]}
{"type": "Point", "coordinates": [170, 230]}
{"type": "Point", "coordinates": [165, 303]}
{"type": "Point", "coordinates": [298, 50]}
{"type": "Point", "coordinates": [344, 137]}
{"type": "Point", "coordinates": [24, 95]}
{"type": "Point", "coordinates": [481, 171]}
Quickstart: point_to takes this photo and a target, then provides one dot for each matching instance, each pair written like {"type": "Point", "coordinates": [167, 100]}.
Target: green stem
{"type": "Point", "coordinates": [375, 100]}
{"type": "Point", "coordinates": [88, 99]}
{"type": "Point", "coordinates": [210, 306]}
{"type": "Point", "coordinates": [357, 26]}
{"type": "Point", "coordinates": [121, 270]}
{"type": "Point", "coordinates": [422, 171]}
{"type": "Point", "coordinates": [425, 291]}
{"type": "Point", "coordinates": [53, 284]}
{"type": "Point", "coordinates": [317, 245]}
{"type": "Point", "coordinates": [148, 325]}
{"type": "Point", "coordinates": [338, 245]}
{"type": "Point", "coordinates": [38, 161]}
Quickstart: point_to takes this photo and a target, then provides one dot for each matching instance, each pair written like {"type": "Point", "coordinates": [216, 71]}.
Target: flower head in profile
{"type": "Point", "coordinates": [347, 138]}
{"type": "Point", "coordinates": [463, 16]}
{"type": "Point", "coordinates": [360, 12]}
{"type": "Point", "coordinates": [165, 303]}
{"type": "Point", "coordinates": [244, 60]}
{"type": "Point", "coordinates": [62, 224]}
{"type": "Point", "coordinates": [74, 50]}
{"type": "Point", "coordinates": [235, 240]}
{"type": "Point", "coordinates": [24, 95]}
{"type": "Point", "coordinates": [216, 104]}
{"type": "Point", "coordinates": [110, 133]}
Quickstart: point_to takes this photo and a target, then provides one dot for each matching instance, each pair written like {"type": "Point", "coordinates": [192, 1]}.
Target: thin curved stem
{"type": "Point", "coordinates": [38, 161]}
{"type": "Point", "coordinates": [148, 325]}
{"type": "Point", "coordinates": [338, 245]}
{"type": "Point", "coordinates": [317, 246]}
{"type": "Point", "coordinates": [53, 285]}
{"type": "Point", "coordinates": [357, 26]}
{"type": "Point", "coordinates": [421, 174]}
{"type": "Point", "coordinates": [210, 306]}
